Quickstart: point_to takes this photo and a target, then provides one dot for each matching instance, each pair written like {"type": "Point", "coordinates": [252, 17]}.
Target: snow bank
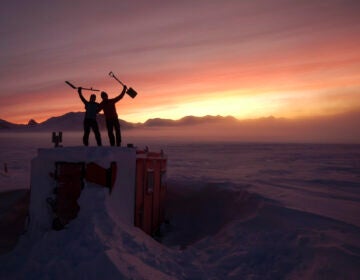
{"type": "Point", "coordinates": [94, 246]}
{"type": "Point", "coordinates": [242, 235]}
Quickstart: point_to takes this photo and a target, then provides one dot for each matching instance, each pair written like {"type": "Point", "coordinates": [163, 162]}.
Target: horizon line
{"type": "Point", "coordinates": [330, 115]}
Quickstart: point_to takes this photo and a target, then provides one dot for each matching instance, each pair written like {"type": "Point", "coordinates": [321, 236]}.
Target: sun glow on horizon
{"type": "Point", "coordinates": [242, 104]}
{"type": "Point", "coordinates": [247, 104]}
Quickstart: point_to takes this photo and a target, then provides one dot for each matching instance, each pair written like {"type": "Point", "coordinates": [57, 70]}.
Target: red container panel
{"type": "Point", "coordinates": [150, 191]}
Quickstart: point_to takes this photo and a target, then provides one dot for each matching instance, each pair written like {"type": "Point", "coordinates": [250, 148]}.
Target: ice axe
{"type": "Point", "coordinates": [130, 91]}
{"type": "Point", "coordinates": [74, 87]}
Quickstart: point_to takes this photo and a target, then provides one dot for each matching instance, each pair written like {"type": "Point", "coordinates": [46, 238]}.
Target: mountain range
{"type": "Point", "coordinates": [74, 121]}
{"type": "Point", "coordinates": [340, 128]}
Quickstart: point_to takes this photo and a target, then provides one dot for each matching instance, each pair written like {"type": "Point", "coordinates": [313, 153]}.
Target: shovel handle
{"type": "Point", "coordinates": [74, 87]}
{"type": "Point", "coordinates": [111, 74]}
{"type": "Point", "coordinates": [92, 89]}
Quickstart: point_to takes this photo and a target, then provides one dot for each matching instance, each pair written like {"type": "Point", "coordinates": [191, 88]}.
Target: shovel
{"type": "Point", "coordinates": [130, 91]}
{"type": "Point", "coordinates": [74, 87]}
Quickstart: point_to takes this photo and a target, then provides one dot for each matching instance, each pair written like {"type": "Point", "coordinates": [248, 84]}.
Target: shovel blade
{"type": "Point", "coordinates": [131, 92]}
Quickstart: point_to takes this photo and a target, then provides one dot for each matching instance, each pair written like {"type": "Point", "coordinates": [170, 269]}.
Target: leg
{"type": "Point", "coordinates": [86, 132]}
{"type": "Point", "coordinates": [95, 128]}
{"type": "Point", "coordinates": [117, 132]}
{"type": "Point", "coordinates": [109, 126]}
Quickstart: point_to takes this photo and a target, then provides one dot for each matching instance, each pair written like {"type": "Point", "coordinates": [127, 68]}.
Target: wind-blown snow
{"type": "Point", "coordinates": [236, 211]}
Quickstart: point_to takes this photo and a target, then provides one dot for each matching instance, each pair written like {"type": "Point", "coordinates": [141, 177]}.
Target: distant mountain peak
{"type": "Point", "coordinates": [32, 122]}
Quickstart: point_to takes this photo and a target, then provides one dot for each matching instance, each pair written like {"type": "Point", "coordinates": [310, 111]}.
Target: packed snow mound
{"type": "Point", "coordinates": [93, 246]}
{"type": "Point", "coordinates": [98, 245]}
{"type": "Point", "coordinates": [243, 235]}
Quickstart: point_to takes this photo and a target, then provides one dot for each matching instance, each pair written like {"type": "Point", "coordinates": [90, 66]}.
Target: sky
{"type": "Point", "coordinates": [248, 59]}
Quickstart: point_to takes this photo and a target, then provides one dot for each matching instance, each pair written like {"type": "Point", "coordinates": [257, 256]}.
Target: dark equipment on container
{"type": "Point", "coordinates": [57, 139]}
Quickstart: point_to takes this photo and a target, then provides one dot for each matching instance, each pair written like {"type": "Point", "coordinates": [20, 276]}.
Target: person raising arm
{"type": "Point", "coordinates": [111, 117]}
{"type": "Point", "coordinates": [90, 122]}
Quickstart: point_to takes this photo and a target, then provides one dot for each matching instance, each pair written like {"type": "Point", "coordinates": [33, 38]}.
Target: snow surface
{"type": "Point", "coordinates": [236, 211]}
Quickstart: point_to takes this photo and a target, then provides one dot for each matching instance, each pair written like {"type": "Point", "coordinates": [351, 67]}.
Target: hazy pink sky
{"type": "Point", "coordinates": [244, 58]}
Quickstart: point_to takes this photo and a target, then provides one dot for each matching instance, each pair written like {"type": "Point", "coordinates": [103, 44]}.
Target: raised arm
{"type": "Point", "coordinates": [121, 95]}
{"type": "Point", "coordinates": [81, 96]}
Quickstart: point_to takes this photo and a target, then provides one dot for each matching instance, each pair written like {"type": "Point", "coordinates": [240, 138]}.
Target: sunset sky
{"type": "Point", "coordinates": [248, 59]}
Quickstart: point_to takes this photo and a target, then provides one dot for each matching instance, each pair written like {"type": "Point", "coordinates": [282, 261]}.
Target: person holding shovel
{"type": "Point", "coordinates": [91, 110]}
{"type": "Point", "coordinates": [111, 117]}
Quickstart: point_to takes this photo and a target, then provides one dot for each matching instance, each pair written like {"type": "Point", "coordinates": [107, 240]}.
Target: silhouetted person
{"type": "Point", "coordinates": [111, 117]}
{"type": "Point", "coordinates": [90, 122]}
